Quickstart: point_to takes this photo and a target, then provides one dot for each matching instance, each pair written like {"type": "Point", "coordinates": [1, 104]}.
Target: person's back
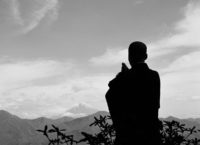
{"type": "Point", "coordinates": [133, 101]}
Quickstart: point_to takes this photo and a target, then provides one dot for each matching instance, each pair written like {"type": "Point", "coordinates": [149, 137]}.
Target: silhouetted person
{"type": "Point", "coordinates": [134, 100]}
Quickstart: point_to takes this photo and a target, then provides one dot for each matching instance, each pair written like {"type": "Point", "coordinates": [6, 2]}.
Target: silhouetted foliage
{"type": "Point", "coordinates": [175, 133]}
{"type": "Point", "coordinates": [106, 136]}
{"type": "Point", "coordinates": [56, 136]}
{"type": "Point", "coordinates": [172, 133]}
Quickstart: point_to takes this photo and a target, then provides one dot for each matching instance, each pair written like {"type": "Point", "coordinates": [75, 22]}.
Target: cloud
{"type": "Point", "coordinates": [110, 57]}
{"type": "Point", "coordinates": [39, 15]}
{"type": "Point", "coordinates": [20, 72]}
{"type": "Point", "coordinates": [183, 74]}
{"type": "Point", "coordinates": [48, 87]}
{"type": "Point", "coordinates": [180, 85]}
{"type": "Point", "coordinates": [186, 34]}
{"type": "Point", "coordinates": [196, 98]}
{"type": "Point", "coordinates": [16, 12]}
{"type": "Point", "coordinates": [138, 2]}
{"type": "Point", "coordinates": [51, 100]}
{"type": "Point", "coordinates": [47, 9]}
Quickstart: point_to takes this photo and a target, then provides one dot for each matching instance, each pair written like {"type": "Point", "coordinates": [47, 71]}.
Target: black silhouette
{"type": "Point", "coordinates": [134, 100]}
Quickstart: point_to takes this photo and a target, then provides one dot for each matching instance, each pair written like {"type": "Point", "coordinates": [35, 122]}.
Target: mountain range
{"type": "Point", "coordinates": [17, 131]}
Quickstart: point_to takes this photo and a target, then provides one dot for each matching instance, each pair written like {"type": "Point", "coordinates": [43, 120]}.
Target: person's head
{"type": "Point", "coordinates": [137, 52]}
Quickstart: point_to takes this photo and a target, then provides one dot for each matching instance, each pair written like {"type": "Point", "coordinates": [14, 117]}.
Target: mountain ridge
{"type": "Point", "coordinates": [15, 130]}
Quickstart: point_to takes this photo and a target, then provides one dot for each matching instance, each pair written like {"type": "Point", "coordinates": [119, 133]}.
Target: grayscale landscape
{"type": "Point", "coordinates": [57, 58]}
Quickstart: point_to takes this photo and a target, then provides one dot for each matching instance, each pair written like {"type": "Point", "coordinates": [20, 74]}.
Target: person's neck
{"type": "Point", "coordinates": [139, 62]}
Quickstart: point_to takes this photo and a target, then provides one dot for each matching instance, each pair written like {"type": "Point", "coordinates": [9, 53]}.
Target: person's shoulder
{"type": "Point", "coordinates": [119, 78]}
{"type": "Point", "coordinates": [154, 72]}
{"type": "Point", "coordinates": [116, 79]}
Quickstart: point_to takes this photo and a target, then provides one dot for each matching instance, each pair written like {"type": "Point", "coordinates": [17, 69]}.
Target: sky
{"type": "Point", "coordinates": [55, 54]}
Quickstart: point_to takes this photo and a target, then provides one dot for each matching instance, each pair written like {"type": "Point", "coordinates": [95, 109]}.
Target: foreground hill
{"type": "Point", "coordinates": [17, 131]}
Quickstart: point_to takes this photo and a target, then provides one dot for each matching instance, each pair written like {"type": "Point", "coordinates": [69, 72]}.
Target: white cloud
{"type": "Point", "coordinates": [16, 12]}
{"type": "Point", "coordinates": [48, 87]}
{"type": "Point", "coordinates": [181, 79]}
{"type": "Point", "coordinates": [183, 74]}
{"type": "Point", "coordinates": [180, 85]}
{"type": "Point", "coordinates": [15, 73]}
{"type": "Point", "coordinates": [55, 99]}
{"type": "Point", "coordinates": [110, 57]}
{"type": "Point", "coordinates": [195, 98]}
{"type": "Point", "coordinates": [39, 15]}
{"type": "Point", "coordinates": [138, 2]}
{"type": "Point", "coordinates": [186, 34]}
{"type": "Point", "coordinates": [47, 9]}
{"type": "Point", "coordinates": [186, 63]}
{"type": "Point", "coordinates": [23, 74]}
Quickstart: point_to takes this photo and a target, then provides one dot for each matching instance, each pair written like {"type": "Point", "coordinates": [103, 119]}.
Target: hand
{"type": "Point", "coordinates": [124, 68]}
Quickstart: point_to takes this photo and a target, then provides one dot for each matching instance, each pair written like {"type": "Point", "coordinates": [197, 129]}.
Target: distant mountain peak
{"type": "Point", "coordinates": [80, 109]}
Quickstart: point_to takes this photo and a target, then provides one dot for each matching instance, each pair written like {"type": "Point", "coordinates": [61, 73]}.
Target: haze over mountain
{"type": "Point", "coordinates": [79, 110]}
